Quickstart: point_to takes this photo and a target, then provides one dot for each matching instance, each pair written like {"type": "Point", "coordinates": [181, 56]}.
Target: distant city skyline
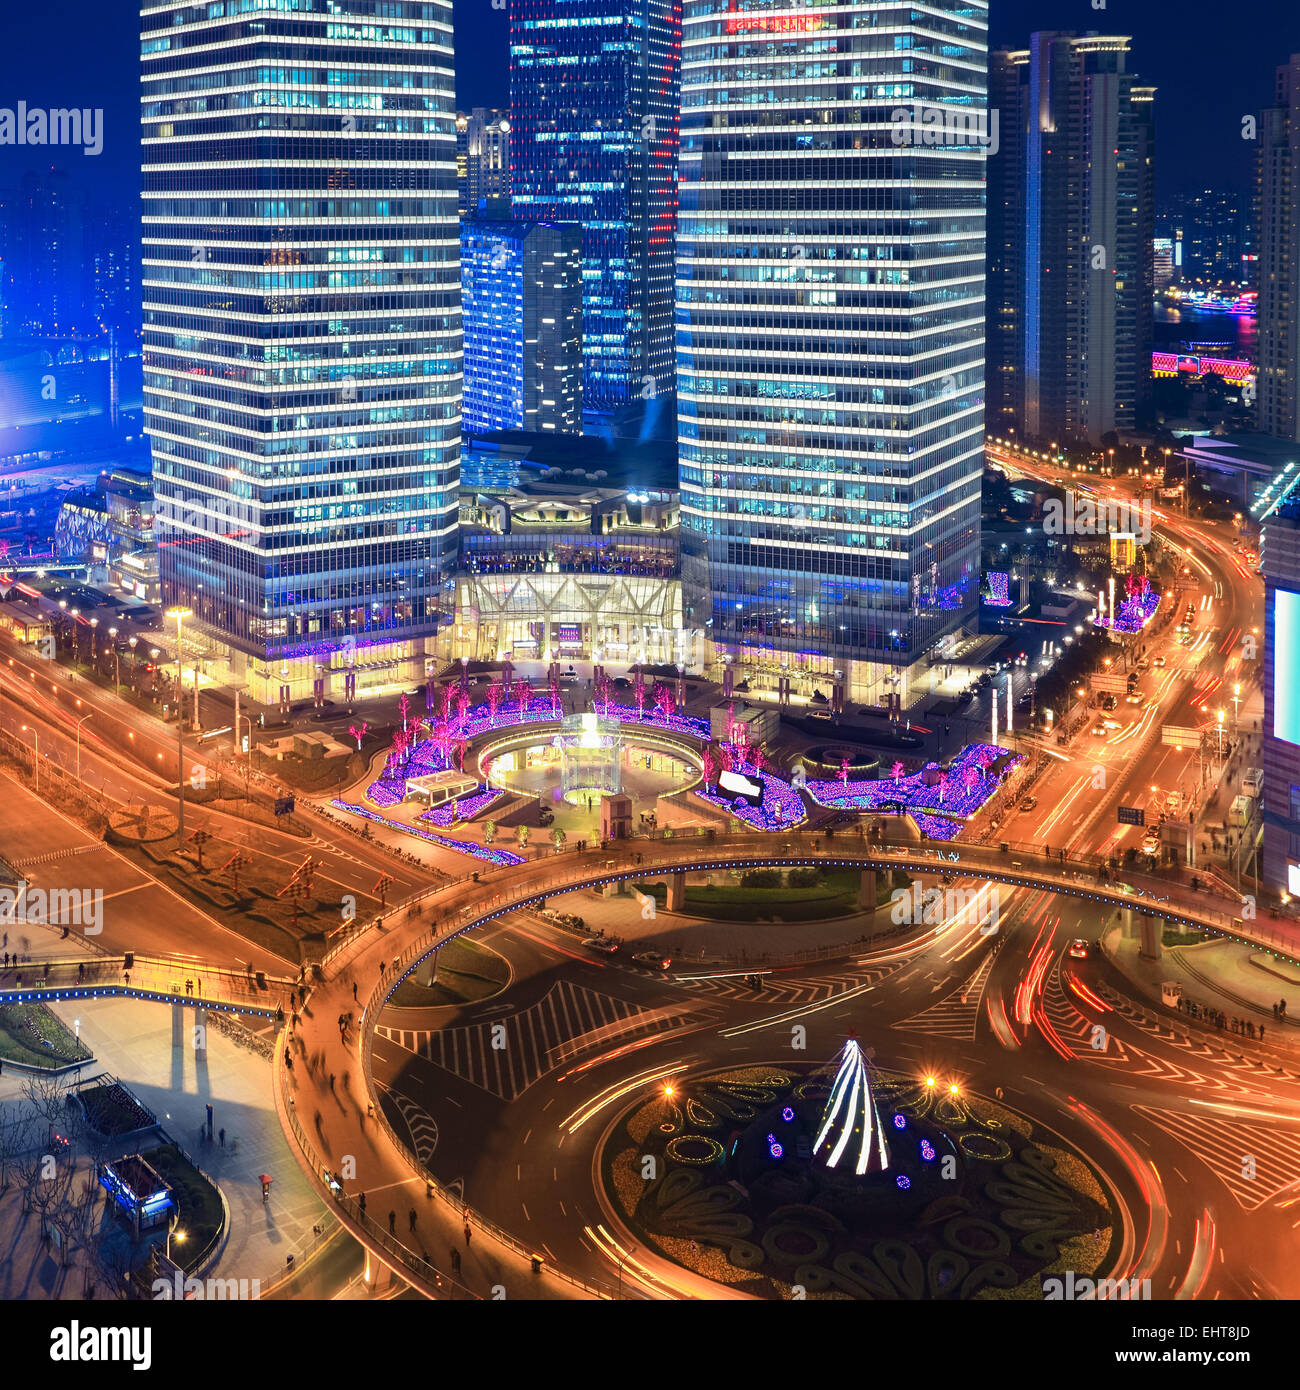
{"type": "Point", "coordinates": [1211, 71]}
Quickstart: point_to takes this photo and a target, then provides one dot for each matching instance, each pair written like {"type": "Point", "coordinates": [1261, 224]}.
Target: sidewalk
{"type": "Point", "coordinates": [1223, 975]}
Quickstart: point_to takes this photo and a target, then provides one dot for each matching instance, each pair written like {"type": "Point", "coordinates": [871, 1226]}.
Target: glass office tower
{"type": "Point", "coordinates": [594, 130]}
{"type": "Point", "coordinates": [830, 333]}
{"type": "Point", "coordinates": [302, 332]}
{"type": "Point", "coordinates": [521, 291]}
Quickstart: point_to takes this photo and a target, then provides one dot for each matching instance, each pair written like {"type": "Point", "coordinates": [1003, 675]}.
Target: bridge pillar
{"type": "Point", "coordinates": [1152, 934]}
{"type": "Point", "coordinates": [867, 890]}
{"type": "Point", "coordinates": [676, 893]}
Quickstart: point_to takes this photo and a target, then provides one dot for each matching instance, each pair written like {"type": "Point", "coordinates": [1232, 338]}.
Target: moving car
{"type": "Point", "coordinates": [1158, 661]}
{"type": "Point", "coordinates": [601, 943]}
{"type": "Point", "coordinates": [1133, 698]}
{"type": "Point", "coordinates": [653, 960]}
{"type": "Point", "coordinates": [1078, 949]}
{"type": "Point", "coordinates": [1098, 730]}
{"type": "Point", "coordinates": [1030, 803]}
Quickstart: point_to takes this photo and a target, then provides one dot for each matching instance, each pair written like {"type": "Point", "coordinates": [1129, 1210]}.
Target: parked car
{"type": "Point", "coordinates": [1030, 803]}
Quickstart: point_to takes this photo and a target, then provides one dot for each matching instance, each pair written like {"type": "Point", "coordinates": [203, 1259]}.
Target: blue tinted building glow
{"type": "Point", "coordinates": [830, 322]}
{"type": "Point", "coordinates": [594, 129]}
{"type": "Point", "coordinates": [302, 352]}
{"type": "Point", "coordinates": [1286, 666]}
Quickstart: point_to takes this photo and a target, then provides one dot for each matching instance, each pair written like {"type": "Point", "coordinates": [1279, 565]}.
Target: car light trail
{"type": "Point", "coordinates": [1202, 1255]}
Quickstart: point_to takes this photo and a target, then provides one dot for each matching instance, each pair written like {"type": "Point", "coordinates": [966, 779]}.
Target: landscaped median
{"type": "Point", "coordinates": [31, 1036]}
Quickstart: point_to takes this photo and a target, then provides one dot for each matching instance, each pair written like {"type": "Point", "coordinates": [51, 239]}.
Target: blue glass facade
{"type": "Point", "coordinates": [594, 134]}
{"type": "Point", "coordinates": [521, 288]}
{"type": "Point", "coordinates": [830, 330]}
{"type": "Point", "coordinates": [302, 324]}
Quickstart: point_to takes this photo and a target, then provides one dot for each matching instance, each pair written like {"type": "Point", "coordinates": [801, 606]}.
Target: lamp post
{"type": "Point", "coordinates": [131, 642]}
{"type": "Point", "coordinates": [180, 614]}
{"type": "Point", "coordinates": [94, 647]}
{"type": "Point", "coordinates": [117, 671]}
{"type": "Point", "coordinates": [36, 763]}
{"type": "Point", "coordinates": [80, 722]}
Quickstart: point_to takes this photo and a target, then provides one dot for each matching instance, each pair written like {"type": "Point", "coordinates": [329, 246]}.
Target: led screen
{"type": "Point", "coordinates": [1286, 666]}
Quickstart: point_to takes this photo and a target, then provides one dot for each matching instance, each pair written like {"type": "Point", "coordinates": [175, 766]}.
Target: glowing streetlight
{"type": "Point", "coordinates": [180, 614]}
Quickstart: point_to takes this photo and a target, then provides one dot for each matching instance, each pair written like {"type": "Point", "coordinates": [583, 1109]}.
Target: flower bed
{"type": "Point", "coordinates": [782, 807]}
{"type": "Point", "coordinates": [500, 857]}
{"type": "Point", "coordinates": [461, 807]}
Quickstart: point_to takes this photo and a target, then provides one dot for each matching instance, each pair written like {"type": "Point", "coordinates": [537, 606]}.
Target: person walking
{"type": "Point", "coordinates": [221, 1136]}
{"type": "Point", "coordinates": [361, 1202]}
{"type": "Point", "coordinates": [354, 990]}
{"type": "Point", "coordinates": [392, 1222]}
{"type": "Point", "coordinates": [455, 1260]}
{"type": "Point", "coordinates": [412, 1218]}
{"type": "Point", "coordinates": [467, 1234]}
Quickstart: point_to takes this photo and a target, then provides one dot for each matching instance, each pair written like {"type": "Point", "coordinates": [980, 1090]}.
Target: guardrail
{"type": "Point", "coordinates": [421, 1268]}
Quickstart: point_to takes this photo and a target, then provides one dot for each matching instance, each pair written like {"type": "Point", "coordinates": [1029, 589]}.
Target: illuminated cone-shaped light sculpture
{"type": "Point", "coordinates": [851, 1137]}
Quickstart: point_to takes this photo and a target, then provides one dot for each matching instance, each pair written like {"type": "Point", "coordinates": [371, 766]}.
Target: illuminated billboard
{"type": "Point", "coordinates": [1286, 662]}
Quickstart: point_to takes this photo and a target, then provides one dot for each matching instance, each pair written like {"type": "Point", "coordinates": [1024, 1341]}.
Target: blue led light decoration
{"type": "Point", "coordinates": [788, 1114]}
{"type": "Point", "coordinates": [774, 1147]}
{"type": "Point", "coordinates": [927, 1151]}
{"type": "Point", "coordinates": [851, 1134]}
{"type": "Point", "coordinates": [900, 1121]}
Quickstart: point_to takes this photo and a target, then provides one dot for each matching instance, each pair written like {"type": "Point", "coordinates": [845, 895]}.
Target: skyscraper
{"type": "Point", "coordinates": [521, 287]}
{"type": "Point", "coordinates": [302, 333]}
{"type": "Point", "coordinates": [1213, 228]}
{"type": "Point", "coordinates": [482, 158]}
{"type": "Point", "coordinates": [830, 312]}
{"type": "Point", "coordinates": [1278, 223]}
{"type": "Point", "coordinates": [1279, 750]}
{"type": "Point", "coordinates": [43, 254]}
{"type": "Point", "coordinates": [1071, 227]}
{"type": "Point", "coordinates": [594, 131]}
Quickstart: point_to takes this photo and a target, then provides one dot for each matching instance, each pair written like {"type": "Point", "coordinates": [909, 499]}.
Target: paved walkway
{"type": "Point", "coordinates": [150, 1048]}
{"type": "Point", "coordinates": [1239, 982]}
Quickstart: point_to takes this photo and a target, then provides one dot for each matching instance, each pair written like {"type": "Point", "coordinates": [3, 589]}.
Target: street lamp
{"type": "Point", "coordinates": [180, 614]}
{"type": "Point", "coordinates": [36, 764]}
{"type": "Point", "coordinates": [117, 674]}
{"type": "Point", "coordinates": [80, 722]}
{"type": "Point", "coordinates": [94, 649]}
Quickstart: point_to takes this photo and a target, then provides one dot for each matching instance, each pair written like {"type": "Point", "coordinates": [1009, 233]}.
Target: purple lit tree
{"type": "Point", "coordinates": [523, 692]}
{"type": "Point", "coordinates": [943, 787]}
{"type": "Point", "coordinates": [844, 770]}
{"type": "Point", "coordinates": [555, 697]}
{"type": "Point", "coordinates": [494, 695]}
{"type": "Point", "coordinates": [638, 694]}
{"type": "Point", "coordinates": [462, 704]}
{"type": "Point", "coordinates": [665, 700]}
{"type": "Point", "coordinates": [896, 772]}
{"type": "Point", "coordinates": [970, 777]}
{"type": "Point", "coordinates": [758, 758]}
{"type": "Point", "coordinates": [404, 704]}
{"type": "Point", "coordinates": [358, 732]}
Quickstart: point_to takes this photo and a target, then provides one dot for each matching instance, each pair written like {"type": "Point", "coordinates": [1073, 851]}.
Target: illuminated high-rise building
{"type": "Point", "coordinates": [594, 129]}
{"type": "Point", "coordinates": [521, 289]}
{"type": "Point", "coordinates": [482, 159]}
{"type": "Point", "coordinates": [830, 320]}
{"type": "Point", "coordinates": [1278, 219]}
{"type": "Point", "coordinates": [302, 351]}
{"type": "Point", "coordinates": [1071, 232]}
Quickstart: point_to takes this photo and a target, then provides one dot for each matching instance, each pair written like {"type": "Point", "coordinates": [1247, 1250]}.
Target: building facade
{"type": "Point", "coordinates": [1278, 222]}
{"type": "Point", "coordinates": [1212, 235]}
{"type": "Point", "coordinates": [594, 134]}
{"type": "Point", "coordinates": [482, 158]}
{"type": "Point", "coordinates": [1071, 232]}
{"type": "Point", "coordinates": [302, 341]}
{"type": "Point", "coordinates": [1279, 752]}
{"type": "Point", "coordinates": [521, 289]}
{"type": "Point", "coordinates": [830, 319]}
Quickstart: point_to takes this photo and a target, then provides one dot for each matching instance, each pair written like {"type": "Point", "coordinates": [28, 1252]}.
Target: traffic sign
{"type": "Point", "coordinates": [1114, 684]}
{"type": "Point", "coordinates": [284, 805]}
{"type": "Point", "coordinates": [1132, 815]}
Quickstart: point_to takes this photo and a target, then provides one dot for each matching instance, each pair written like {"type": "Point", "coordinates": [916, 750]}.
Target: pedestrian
{"type": "Point", "coordinates": [288, 1061]}
{"type": "Point", "coordinates": [1275, 1009]}
{"type": "Point", "coordinates": [189, 986]}
{"type": "Point", "coordinates": [467, 1235]}
{"type": "Point", "coordinates": [392, 1222]}
{"type": "Point", "coordinates": [455, 1260]}
{"type": "Point", "coordinates": [412, 1218]}
{"type": "Point", "coordinates": [354, 989]}
{"type": "Point", "coordinates": [331, 1081]}
{"type": "Point", "coordinates": [221, 1136]}
{"type": "Point", "coordinates": [361, 1202]}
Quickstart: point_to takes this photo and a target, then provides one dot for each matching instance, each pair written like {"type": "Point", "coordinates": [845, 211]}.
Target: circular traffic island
{"type": "Point", "coordinates": [848, 1182]}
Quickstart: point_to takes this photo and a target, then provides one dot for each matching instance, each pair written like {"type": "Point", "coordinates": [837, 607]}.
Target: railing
{"type": "Point", "coordinates": [422, 1269]}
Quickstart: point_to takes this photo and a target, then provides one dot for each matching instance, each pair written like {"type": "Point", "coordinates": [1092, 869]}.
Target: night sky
{"type": "Point", "coordinates": [1212, 63]}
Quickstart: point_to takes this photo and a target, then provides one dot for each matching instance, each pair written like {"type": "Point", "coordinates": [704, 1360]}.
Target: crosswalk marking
{"type": "Point", "coordinates": [804, 989]}
{"type": "Point", "coordinates": [421, 1126]}
{"type": "Point", "coordinates": [1224, 1144]}
{"type": "Point", "coordinates": [955, 1015]}
{"type": "Point", "coordinates": [567, 1020]}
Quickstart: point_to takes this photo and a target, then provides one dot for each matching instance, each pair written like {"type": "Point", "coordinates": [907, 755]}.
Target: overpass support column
{"type": "Point", "coordinates": [1152, 934]}
{"type": "Point", "coordinates": [867, 890]}
{"type": "Point", "coordinates": [676, 900]}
